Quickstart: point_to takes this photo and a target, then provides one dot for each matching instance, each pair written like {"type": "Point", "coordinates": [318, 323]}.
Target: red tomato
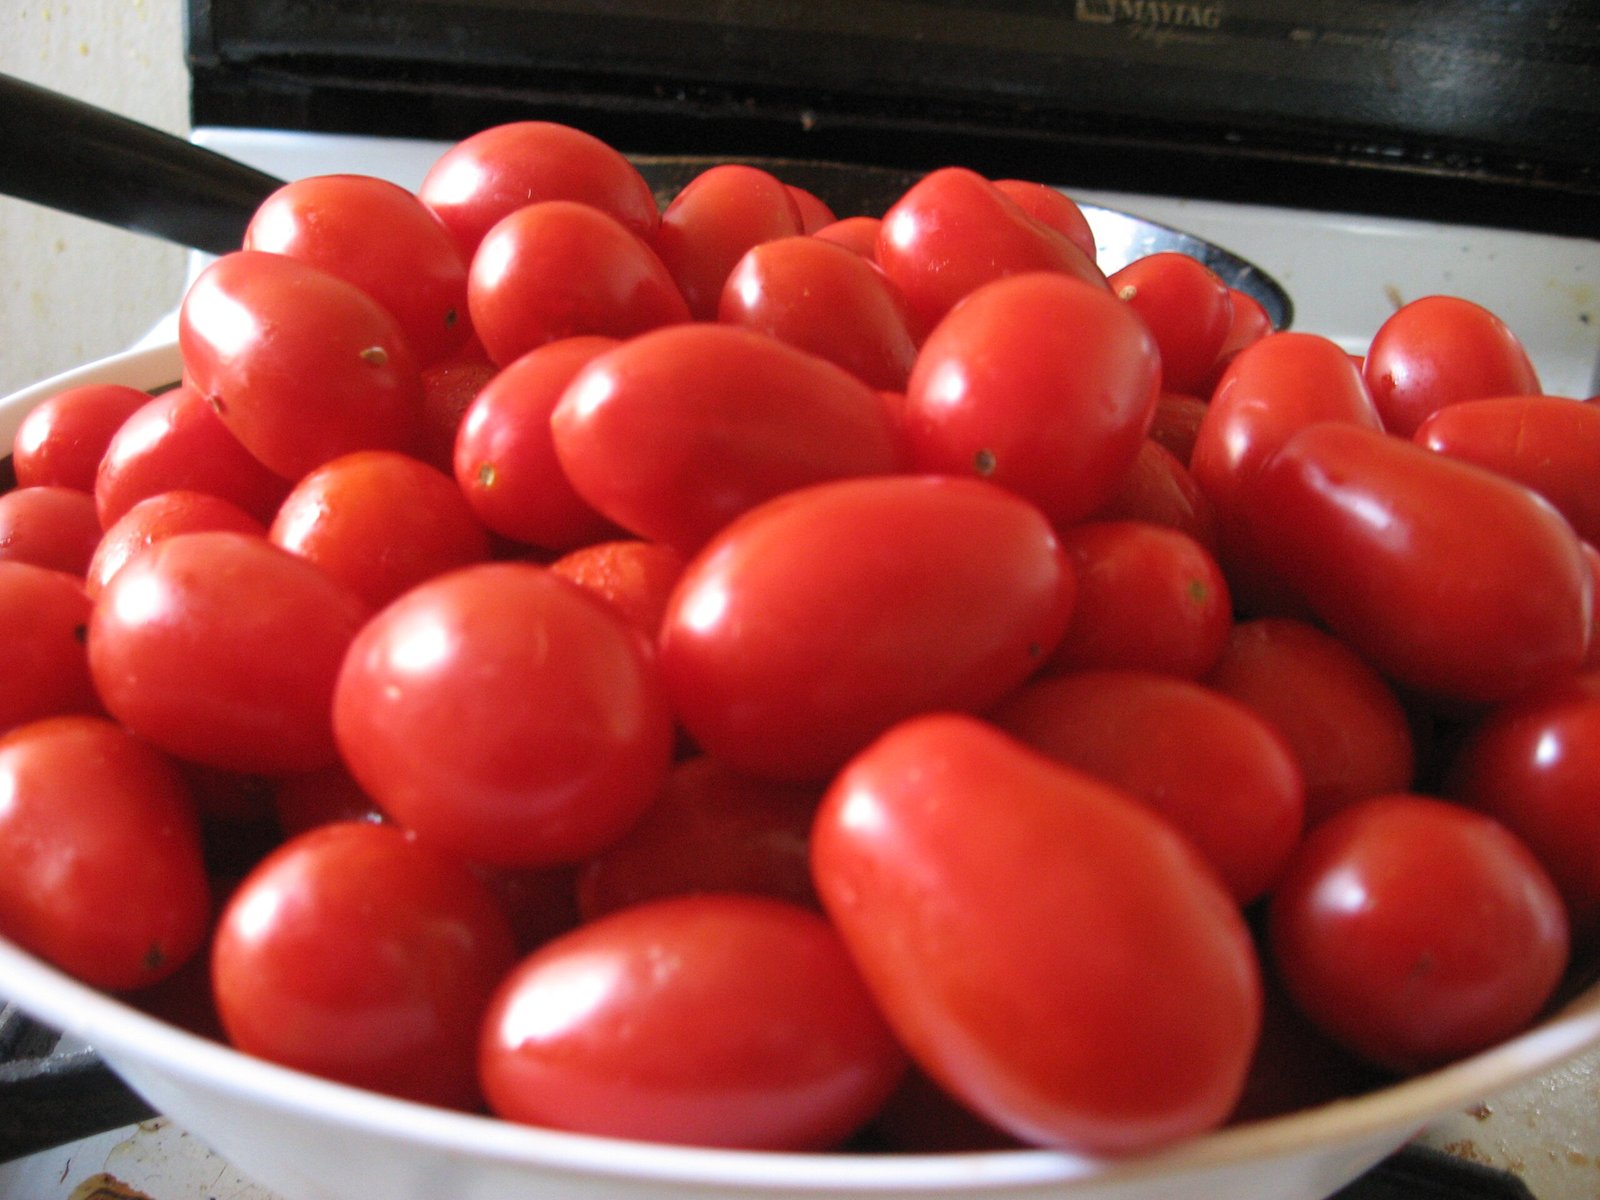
{"type": "Point", "coordinates": [1040, 383]}
{"type": "Point", "coordinates": [175, 442]}
{"type": "Point", "coordinates": [505, 456]}
{"type": "Point", "coordinates": [1249, 325]}
{"type": "Point", "coordinates": [1048, 949]}
{"type": "Point", "coordinates": [1452, 580]}
{"type": "Point", "coordinates": [859, 234]}
{"type": "Point", "coordinates": [562, 269]}
{"type": "Point", "coordinates": [818, 620]}
{"type": "Point", "coordinates": [381, 238]}
{"type": "Point", "coordinates": [1160, 490]}
{"type": "Point", "coordinates": [814, 211]}
{"type": "Point", "coordinates": [1535, 767]}
{"type": "Point", "coordinates": [1416, 931]}
{"type": "Point", "coordinates": [448, 390]}
{"type": "Point", "coordinates": [825, 299]}
{"type": "Point", "coordinates": [1053, 207]}
{"type": "Point", "coordinates": [953, 231]}
{"type": "Point", "coordinates": [1279, 385]}
{"type": "Point", "coordinates": [676, 432]}
{"type": "Point", "coordinates": [62, 439]}
{"type": "Point", "coordinates": [1177, 423]}
{"type": "Point", "coordinates": [358, 954]}
{"type": "Point", "coordinates": [1188, 308]}
{"type": "Point", "coordinates": [505, 715]}
{"type": "Point", "coordinates": [49, 526]}
{"type": "Point", "coordinates": [1148, 597]}
{"type": "Point", "coordinates": [44, 668]}
{"type": "Point", "coordinates": [717, 1020]}
{"type": "Point", "coordinates": [308, 799]}
{"type": "Point", "coordinates": [486, 176]}
{"type": "Point", "coordinates": [1343, 722]}
{"type": "Point", "coordinates": [222, 648]}
{"type": "Point", "coordinates": [301, 366]}
{"type": "Point", "coordinates": [380, 523]}
{"type": "Point", "coordinates": [710, 830]}
{"type": "Point", "coordinates": [633, 576]}
{"type": "Point", "coordinates": [1548, 443]}
{"type": "Point", "coordinates": [1440, 350]}
{"type": "Point", "coordinates": [101, 870]}
{"type": "Point", "coordinates": [161, 516]}
{"type": "Point", "coordinates": [708, 226]}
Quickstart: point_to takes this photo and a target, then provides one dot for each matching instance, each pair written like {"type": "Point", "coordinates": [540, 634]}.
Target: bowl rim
{"type": "Point", "coordinates": [126, 1035]}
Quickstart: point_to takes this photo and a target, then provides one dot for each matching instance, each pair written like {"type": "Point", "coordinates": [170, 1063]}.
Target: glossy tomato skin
{"type": "Point", "coordinates": [635, 577]}
{"type": "Point", "coordinates": [101, 868]}
{"type": "Point", "coordinates": [1053, 207]}
{"type": "Point", "coordinates": [44, 668]}
{"type": "Point", "coordinates": [1438, 350]}
{"type": "Point", "coordinates": [1159, 490]}
{"type": "Point", "coordinates": [826, 300]}
{"type": "Point", "coordinates": [1452, 580]}
{"type": "Point", "coordinates": [504, 458]}
{"type": "Point", "coordinates": [1548, 443]}
{"type": "Point", "coordinates": [1149, 597]}
{"type": "Point", "coordinates": [301, 365]}
{"type": "Point", "coordinates": [722, 1020]}
{"type": "Point", "coordinates": [711, 829]}
{"type": "Point", "coordinates": [1349, 733]}
{"type": "Point", "coordinates": [50, 526]}
{"type": "Point", "coordinates": [1038, 382]}
{"type": "Point", "coordinates": [63, 438]}
{"type": "Point", "coordinates": [562, 269]}
{"type": "Point", "coordinates": [819, 619]}
{"type": "Point", "coordinates": [380, 523]}
{"type": "Point", "coordinates": [504, 715]}
{"type": "Point", "coordinates": [222, 648]}
{"type": "Point", "coordinates": [953, 231]}
{"type": "Point", "coordinates": [1533, 766]}
{"type": "Point", "coordinates": [357, 954]}
{"type": "Point", "coordinates": [486, 176]}
{"type": "Point", "coordinates": [718, 216]}
{"type": "Point", "coordinates": [175, 442]}
{"type": "Point", "coordinates": [162, 516]}
{"type": "Point", "coordinates": [674, 433]}
{"type": "Point", "coordinates": [1049, 950]}
{"type": "Point", "coordinates": [381, 238]}
{"type": "Point", "coordinates": [1188, 308]}
{"type": "Point", "coordinates": [1416, 931]}
{"type": "Point", "coordinates": [1211, 766]}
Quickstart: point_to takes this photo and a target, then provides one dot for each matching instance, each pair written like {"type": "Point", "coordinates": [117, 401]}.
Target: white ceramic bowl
{"type": "Point", "coordinates": [309, 1139]}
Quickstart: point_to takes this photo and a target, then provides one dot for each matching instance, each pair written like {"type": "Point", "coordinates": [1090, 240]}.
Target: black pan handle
{"type": "Point", "coordinates": [74, 157]}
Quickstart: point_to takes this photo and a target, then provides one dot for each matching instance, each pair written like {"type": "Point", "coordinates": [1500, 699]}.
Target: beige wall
{"type": "Point", "coordinates": [72, 290]}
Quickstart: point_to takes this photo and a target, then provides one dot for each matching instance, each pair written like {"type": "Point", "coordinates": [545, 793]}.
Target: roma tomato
{"type": "Point", "coordinates": [222, 648]}
{"type": "Point", "coordinates": [357, 954]}
{"type": "Point", "coordinates": [1159, 490]}
{"type": "Point", "coordinates": [162, 516]}
{"type": "Point", "coordinates": [1450, 579]}
{"type": "Point", "coordinates": [174, 443]}
{"type": "Point", "coordinates": [301, 365]}
{"type": "Point", "coordinates": [674, 433]}
{"type": "Point", "coordinates": [635, 577]}
{"type": "Point", "coordinates": [495, 171]}
{"type": "Point", "coordinates": [1438, 351]}
{"type": "Point", "coordinates": [1205, 762]}
{"type": "Point", "coordinates": [380, 523]}
{"type": "Point", "coordinates": [505, 454]}
{"type": "Point", "coordinates": [1038, 382]}
{"type": "Point", "coordinates": [504, 715]}
{"type": "Point", "coordinates": [1346, 727]}
{"type": "Point", "coordinates": [62, 439]}
{"type": "Point", "coordinates": [1149, 597]}
{"type": "Point", "coordinates": [1053, 207]}
{"type": "Point", "coordinates": [859, 234]}
{"type": "Point", "coordinates": [826, 300]}
{"type": "Point", "coordinates": [562, 269]}
{"type": "Point", "coordinates": [381, 238]}
{"type": "Point", "coordinates": [715, 1020]}
{"type": "Point", "coordinates": [44, 668]}
{"type": "Point", "coordinates": [1548, 443]}
{"type": "Point", "coordinates": [1188, 308]}
{"type": "Point", "coordinates": [1053, 953]}
{"type": "Point", "coordinates": [953, 231]}
{"type": "Point", "coordinates": [709, 225]}
{"type": "Point", "coordinates": [101, 869]}
{"type": "Point", "coordinates": [1534, 765]}
{"type": "Point", "coordinates": [819, 619]}
{"type": "Point", "coordinates": [49, 526]}
{"type": "Point", "coordinates": [1416, 931]}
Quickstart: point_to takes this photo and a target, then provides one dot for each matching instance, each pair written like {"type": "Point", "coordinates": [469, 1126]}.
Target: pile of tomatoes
{"type": "Point", "coordinates": [730, 675]}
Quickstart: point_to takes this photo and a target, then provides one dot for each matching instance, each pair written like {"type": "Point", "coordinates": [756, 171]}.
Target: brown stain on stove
{"type": "Point", "coordinates": [106, 1187]}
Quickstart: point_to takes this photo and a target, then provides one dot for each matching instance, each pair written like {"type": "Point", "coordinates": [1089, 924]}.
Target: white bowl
{"type": "Point", "coordinates": [309, 1139]}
